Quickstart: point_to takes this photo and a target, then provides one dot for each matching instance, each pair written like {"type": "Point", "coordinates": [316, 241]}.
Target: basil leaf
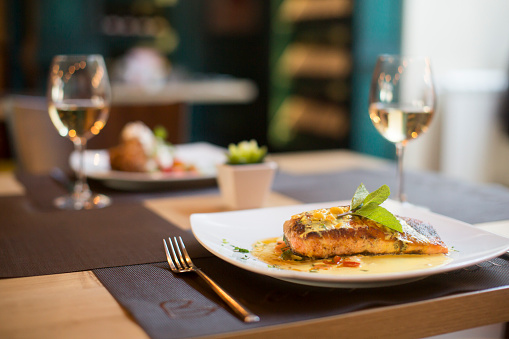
{"type": "Point", "coordinates": [380, 215]}
{"type": "Point", "coordinates": [359, 196]}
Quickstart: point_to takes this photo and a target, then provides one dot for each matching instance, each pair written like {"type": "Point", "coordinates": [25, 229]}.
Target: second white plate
{"type": "Point", "coordinates": [204, 156]}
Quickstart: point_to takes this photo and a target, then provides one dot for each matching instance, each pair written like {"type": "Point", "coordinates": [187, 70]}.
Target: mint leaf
{"type": "Point", "coordinates": [379, 196]}
{"type": "Point", "coordinates": [380, 215]}
{"type": "Point", "coordinates": [367, 208]}
{"type": "Point", "coordinates": [360, 194]}
{"type": "Point", "coordinates": [366, 205]}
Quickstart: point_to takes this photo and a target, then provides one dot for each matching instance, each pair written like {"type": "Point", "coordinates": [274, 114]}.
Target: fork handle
{"type": "Point", "coordinates": [243, 312]}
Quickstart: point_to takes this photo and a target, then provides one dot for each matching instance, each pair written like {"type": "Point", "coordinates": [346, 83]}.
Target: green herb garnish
{"type": "Point", "coordinates": [160, 132]}
{"type": "Point", "coordinates": [286, 255]}
{"type": "Point", "coordinates": [241, 250]}
{"type": "Point", "coordinates": [367, 205]}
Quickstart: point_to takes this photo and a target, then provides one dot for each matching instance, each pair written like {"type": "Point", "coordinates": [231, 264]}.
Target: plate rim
{"type": "Point", "coordinates": [147, 177]}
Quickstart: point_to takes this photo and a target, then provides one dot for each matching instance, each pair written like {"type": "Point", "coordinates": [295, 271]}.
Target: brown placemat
{"type": "Point", "coordinates": [38, 239]}
{"type": "Point", "coordinates": [167, 305]}
{"type": "Point", "coordinates": [41, 190]}
{"type": "Point", "coordinates": [38, 242]}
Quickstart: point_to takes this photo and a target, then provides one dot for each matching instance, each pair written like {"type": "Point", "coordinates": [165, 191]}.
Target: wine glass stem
{"type": "Point", "coordinates": [400, 148]}
{"type": "Point", "coordinates": [81, 190]}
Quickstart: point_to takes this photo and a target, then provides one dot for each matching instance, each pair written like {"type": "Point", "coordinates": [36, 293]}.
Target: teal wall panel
{"type": "Point", "coordinates": [376, 30]}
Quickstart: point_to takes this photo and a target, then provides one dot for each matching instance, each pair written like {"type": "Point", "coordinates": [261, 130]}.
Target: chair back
{"type": "Point", "coordinates": [37, 146]}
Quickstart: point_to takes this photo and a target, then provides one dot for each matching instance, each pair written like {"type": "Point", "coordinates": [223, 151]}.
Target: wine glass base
{"type": "Point", "coordinates": [93, 201]}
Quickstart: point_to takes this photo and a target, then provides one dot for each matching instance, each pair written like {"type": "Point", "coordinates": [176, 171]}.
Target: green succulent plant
{"type": "Point", "coordinates": [245, 152]}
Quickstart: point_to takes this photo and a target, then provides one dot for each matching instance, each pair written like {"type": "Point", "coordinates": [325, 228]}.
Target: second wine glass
{"type": "Point", "coordinates": [79, 98]}
{"type": "Point", "coordinates": [401, 103]}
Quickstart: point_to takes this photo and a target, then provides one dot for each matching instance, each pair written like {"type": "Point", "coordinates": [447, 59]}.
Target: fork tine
{"type": "Point", "coordinates": [168, 257]}
{"type": "Point", "coordinates": [182, 260]}
{"type": "Point", "coordinates": [176, 260]}
{"type": "Point", "coordinates": [188, 258]}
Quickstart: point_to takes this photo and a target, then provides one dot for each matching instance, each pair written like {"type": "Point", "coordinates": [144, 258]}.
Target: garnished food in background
{"type": "Point", "coordinates": [144, 150]}
{"type": "Point", "coordinates": [245, 152]}
{"type": "Point", "coordinates": [352, 235]}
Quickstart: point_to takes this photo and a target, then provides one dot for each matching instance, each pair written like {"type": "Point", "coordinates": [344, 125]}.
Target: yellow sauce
{"type": "Point", "coordinates": [376, 264]}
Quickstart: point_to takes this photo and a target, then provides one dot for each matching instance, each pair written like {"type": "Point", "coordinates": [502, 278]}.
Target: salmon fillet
{"type": "Point", "coordinates": [321, 234]}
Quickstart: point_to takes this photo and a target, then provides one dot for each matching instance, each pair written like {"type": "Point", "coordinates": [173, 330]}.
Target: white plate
{"type": "Point", "coordinates": [202, 155]}
{"type": "Point", "coordinates": [219, 232]}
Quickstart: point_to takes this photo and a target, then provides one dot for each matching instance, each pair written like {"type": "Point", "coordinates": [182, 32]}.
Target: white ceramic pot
{"type": "Point", "coordinates": [245, 186]}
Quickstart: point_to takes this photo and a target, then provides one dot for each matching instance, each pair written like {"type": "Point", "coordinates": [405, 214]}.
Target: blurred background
{"type": "Point", "coordinates": [292, 74]}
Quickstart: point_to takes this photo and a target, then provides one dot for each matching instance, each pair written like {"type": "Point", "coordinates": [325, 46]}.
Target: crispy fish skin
{"type": "Point", "coordinates": [351, 235]}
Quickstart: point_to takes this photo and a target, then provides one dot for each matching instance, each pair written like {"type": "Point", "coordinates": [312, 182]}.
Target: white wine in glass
{"type": "Point", "coordinates": [79, 98]}
{"type": "Point", "coordinates": [401, 103]}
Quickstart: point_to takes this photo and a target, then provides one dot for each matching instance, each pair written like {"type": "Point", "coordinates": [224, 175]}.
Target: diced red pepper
{"type": "Point", "coordinates": [352, 261]}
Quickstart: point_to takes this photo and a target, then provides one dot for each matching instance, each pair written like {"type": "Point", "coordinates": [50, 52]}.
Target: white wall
{"type": "Point", "coordinates": [468, 42]}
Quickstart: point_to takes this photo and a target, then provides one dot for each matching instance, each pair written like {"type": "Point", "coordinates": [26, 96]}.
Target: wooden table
{"type": "Point", "coordinates": [76, 305]}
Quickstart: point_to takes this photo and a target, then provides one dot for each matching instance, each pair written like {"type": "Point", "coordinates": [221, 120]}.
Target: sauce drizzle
{"type": "Point", "coordinates": [265, 251]}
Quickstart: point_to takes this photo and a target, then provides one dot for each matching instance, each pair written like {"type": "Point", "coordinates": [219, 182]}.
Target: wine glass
{"type": "Point", "coordinates": [401, 102]}
{"type": "Point", "coordinates": [79, 98]}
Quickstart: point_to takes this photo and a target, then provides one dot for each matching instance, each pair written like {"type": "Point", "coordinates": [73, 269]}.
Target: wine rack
{"type": "Point", "coordinates": [311, 67]}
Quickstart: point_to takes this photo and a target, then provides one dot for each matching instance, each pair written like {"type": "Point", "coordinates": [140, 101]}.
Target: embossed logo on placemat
{"type": "Point", "coordinates": [185, 309]}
